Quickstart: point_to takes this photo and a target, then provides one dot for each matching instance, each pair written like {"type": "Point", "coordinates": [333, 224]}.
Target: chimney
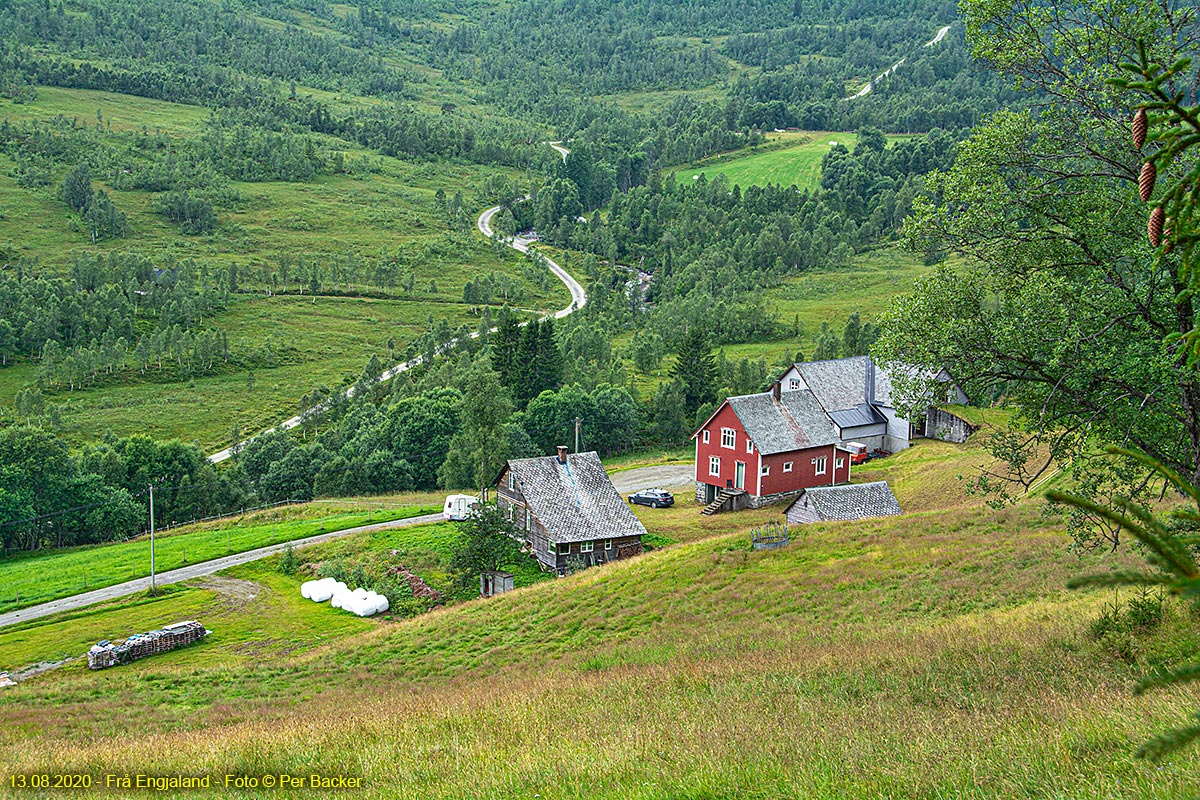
{"type": "Point", "coordinates": [776, 388]}
{"type": "Point", "coordinates": [562, 454]}
{"type": "Point", "coordinates": [870, 381]}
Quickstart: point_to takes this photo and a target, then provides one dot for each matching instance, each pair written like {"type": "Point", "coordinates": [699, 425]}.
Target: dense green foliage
{"type": "Point", "coordinates": [292, 88]}
{"type": "Point", "coordinates": [1069, 314]}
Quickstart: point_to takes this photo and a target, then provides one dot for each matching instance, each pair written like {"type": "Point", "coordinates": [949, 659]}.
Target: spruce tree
{"type": "Point", "coordinates": [696, 370]}
{"type": "Point", "coordinates": [550, 356]}
{"type": "Point", "coordinates": [505, 343]}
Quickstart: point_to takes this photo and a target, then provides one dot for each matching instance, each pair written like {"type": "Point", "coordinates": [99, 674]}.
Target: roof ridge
{"type": "Point", "coordinates": [796, 427]}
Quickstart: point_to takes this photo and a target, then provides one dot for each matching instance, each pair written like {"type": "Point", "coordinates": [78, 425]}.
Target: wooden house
{"type": "Point", "coordinates": [760, 449]}
{"type": "Point", "coordinates": [567, 509]}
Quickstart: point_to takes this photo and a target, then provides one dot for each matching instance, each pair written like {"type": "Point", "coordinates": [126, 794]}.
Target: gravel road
{"type": "Point", "coordinates": [194, 571]}
{"type": "Point", "coordinates": [631, 480]}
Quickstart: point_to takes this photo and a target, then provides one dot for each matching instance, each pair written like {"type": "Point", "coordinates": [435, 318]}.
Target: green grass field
{"type": "Point", "coordinates": [31, 579]}
{"type": "Point", "coordinates": [326, 342]}
{"type": "Point", "coordinates": [255, 614]}
{"type": "Point", "coordinates": [701, 670]}
{"type": "Point", "coordinates": [789, 158]}
{"type": "Point", "coordinates": [390, 214]}
{"type": "Point", "coordinates": [692, 671]}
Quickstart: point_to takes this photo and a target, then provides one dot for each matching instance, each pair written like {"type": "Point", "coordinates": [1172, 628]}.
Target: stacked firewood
{"type": "Point", "coordinates": [419, 587]}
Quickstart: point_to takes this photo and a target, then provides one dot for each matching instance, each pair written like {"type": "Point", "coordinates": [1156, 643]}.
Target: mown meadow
{"type": "Point", "coordinates": [27, 580]}
{"type": "Point", "coordinates": [789, 158]}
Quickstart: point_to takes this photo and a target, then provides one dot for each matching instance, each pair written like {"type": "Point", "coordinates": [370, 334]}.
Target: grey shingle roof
{"type": "Point", "coordinates": [839, 384]}
{"type": "Point", "coordinates": [575, 501]}
{"type": "Point", "coordinates": [852, 501]}
{"type": "Point", "coordinates": [793, 422]}
{"type": "Point", "coordinates": [842, 384]}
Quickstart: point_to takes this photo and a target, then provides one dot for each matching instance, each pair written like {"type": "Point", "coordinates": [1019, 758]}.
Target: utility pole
{"type": "Point", "coordinates": [578, 421]}
{"type": "Point", "coordinates": [152, 587]}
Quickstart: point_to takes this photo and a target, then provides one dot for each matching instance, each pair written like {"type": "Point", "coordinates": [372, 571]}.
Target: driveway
{"type": "Point", "coordinates": [631, 480]}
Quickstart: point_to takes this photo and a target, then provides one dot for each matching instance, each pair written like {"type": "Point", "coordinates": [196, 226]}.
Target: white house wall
{"type": "Point", "coordinates": [793, 374]}
{"type": "Point", "coordinates": [897, 435]}
{"type": "Point", "coordinates": [870, 435]}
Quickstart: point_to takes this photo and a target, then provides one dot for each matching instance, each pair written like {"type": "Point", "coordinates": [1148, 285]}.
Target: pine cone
{"type": "Point", "coordinates": [1140, 125]}
{"type": "Point", "coordinates": [1155, 228]}
{"type": "Point", "coordinates": [1146, 180]}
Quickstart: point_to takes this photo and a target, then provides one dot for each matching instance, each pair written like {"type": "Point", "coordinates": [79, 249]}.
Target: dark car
{"type": "Point", "coordinates": [655, 498]}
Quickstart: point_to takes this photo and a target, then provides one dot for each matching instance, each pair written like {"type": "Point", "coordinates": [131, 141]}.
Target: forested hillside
{"type": "Point", "coordinates": [213, 217]}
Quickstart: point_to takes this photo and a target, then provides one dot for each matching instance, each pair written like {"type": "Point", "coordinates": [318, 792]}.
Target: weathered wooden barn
{"type": "Point", "coordinates": [568, 510]}
{"type": "Point", "coordinates": [857, 394]}
{"type": "Point", "coordinates": [850, 501]}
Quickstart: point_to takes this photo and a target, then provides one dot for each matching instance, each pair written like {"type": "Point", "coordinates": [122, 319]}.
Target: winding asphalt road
{"type": "Point", "coordinates": [864, 91]}
{"type": "Point", "coordinates": [578, 300]}
{"type": "Point", "coordinates": [194, 571]}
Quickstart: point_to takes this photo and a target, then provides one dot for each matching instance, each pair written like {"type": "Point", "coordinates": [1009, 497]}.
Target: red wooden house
{"type": "Point", "coordinates": [759, 449]}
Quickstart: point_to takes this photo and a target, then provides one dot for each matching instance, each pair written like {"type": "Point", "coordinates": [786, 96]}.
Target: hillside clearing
{"type": "Point", "coordinates": [954, 621]}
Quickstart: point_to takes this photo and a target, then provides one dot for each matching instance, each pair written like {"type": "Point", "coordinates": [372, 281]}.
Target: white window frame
{"type": "Point", "coordinates": [766, 469]}
{"type": "Point", "coordinates": [749, 445]}
{"type": "Point", "coordinates": [841, 462]}
{"type": "Point", "coordinates": [820, 465]}
{"type": "Point", "coordinates": [704, 437]}
{"type": "Point", "coordinates": [787, 466]}
{"type": "Point", "coordinates": [586, 547]}
{"type": "Point", "coordinates": [512, 481]}
{"type": "Point", "coordinates": [793, 384]}
{"type": "Point", "coordinates": [527, 522]}
{"type": "Point", "coordinates": [730, 435]}
{"type": "Point", "coordinates": [558, 549]}
{"type": "Point", "coordinates": [714, 465]}
{"type": "Point", "coordinates": [608, 544]}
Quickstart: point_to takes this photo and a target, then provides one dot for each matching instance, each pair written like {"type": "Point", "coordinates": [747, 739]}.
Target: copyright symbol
{"type": "Point", "coordinates": [268, 781]}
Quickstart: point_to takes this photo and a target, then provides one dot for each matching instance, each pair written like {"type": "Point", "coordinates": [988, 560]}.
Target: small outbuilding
{"type": "Point", "coordinates": [494, 582]}
{"type": "Point", "coordinates": [849, 501]}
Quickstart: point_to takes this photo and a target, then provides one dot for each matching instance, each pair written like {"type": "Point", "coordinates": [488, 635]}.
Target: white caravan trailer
{"type": "Point", "coordinates": [460, 506]}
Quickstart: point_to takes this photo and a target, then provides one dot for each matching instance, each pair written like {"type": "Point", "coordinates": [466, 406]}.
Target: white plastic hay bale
{"type": "Point", "coordinates": [340, 599]}
{"type": "Point", "coordinates": [306, 589]}
{"type": "Point", "coordinates": [381, 605]}
{"type": "Point", "coordinates": [322, 590]}
{"type": "Point", "coordinates": [360, 593]}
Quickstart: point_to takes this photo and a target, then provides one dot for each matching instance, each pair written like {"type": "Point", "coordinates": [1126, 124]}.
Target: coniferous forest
{"type": "Point", "coordinates": [297, 94]}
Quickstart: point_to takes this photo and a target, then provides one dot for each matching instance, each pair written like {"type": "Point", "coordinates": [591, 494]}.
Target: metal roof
{"type": "Point", "coordinates": [576, 501]}
{"type": "Point", "coordinates": [793, 422]}
{"type": "Point", "coordinates": [861, 414]}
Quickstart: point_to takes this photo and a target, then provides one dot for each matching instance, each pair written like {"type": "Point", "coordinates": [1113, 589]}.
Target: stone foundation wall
{"type": "Point", "coordinates": [947, 427]}
{"type": "Point", "coordinates": [772, 499]}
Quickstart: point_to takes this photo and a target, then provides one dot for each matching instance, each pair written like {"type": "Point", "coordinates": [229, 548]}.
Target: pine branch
{"type": "Point", "coordinates": [1168, 742]}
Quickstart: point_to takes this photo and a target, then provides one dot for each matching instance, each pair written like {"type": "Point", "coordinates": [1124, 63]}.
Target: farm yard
{"type": "Point", "coordinates": [771, 494]}
{"type": "Point", "coordinates": [874, 620]}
